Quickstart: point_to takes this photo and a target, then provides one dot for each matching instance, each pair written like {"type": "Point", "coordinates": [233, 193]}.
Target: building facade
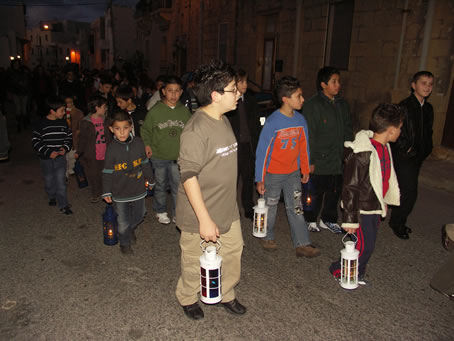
{"type": "Point", "coordinates": [12, 34]}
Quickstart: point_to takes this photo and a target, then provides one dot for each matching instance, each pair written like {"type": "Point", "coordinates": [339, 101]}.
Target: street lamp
{"type": "Point", "coordinates": [67, 58]}
{"type": "Point", "coordinates": [46, 27]}
{"type": "Point", "coordinates": [18, 57]}
{"type": "Point", "coordinates": [11, 57]}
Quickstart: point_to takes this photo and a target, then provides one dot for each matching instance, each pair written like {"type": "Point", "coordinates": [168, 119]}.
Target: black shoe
{"type": "Point", "coordinates": [126, 250]}
{"type": "Point", "coordinates": [409, 230]}
{"type": "Point", "coordinates": [66, 210]}
{"type": "Point", "coordinates": [193, 311]}
{"type": "Point", "coordinates": [234, 307]}
{"type": "Point", "coordinates": [249, 215]}
{"type": "Point", "coordinates": [133, 238]}
{"type": "Point", "coordinates": [52, 202]}
{"type": "Point", "coordinates": [401, 232]}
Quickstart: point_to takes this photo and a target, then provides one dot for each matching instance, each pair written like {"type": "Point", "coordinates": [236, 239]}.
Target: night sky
{"type": "Point", "coordinates": [78, 10]}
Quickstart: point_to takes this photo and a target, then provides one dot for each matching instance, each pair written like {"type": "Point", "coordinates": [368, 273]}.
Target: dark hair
{"type": "Point", "coordinates": [418, 75]}
{"type": "Point", "coordinates": [67, 95]}
{"type": "Point", "coordinates": [324, 75]}
{"type": "Point", "coordinates": [55, 102]}
{"type": "Point", "coordinates": [124, 92]}
{"type": "Point", "coordinates": [95, 101]}
{"type": "Point", "coordinates": [241, 75]}
{"type": "Point", "coordinates": [120, 116]}
{"type": "Point", "coordinates": [386, 115]}
{"type": "Point", "coordinates": [161, 78]}
{"type": "Point", "coordinates": [172, 80]}
{"type": "Point", "coordinates": [105, 79]}
{"type": "Point", "coordinates": [214, 76]}
{"type": "Point", "coordinates": [285, 87]}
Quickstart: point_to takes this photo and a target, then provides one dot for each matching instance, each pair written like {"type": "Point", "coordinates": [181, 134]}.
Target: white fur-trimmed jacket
{"type": "Point", "coordinates": [362, 191]}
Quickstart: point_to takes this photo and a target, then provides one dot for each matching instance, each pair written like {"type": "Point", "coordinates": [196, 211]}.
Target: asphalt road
{"type": "Point", "coordinates": [59, 282]}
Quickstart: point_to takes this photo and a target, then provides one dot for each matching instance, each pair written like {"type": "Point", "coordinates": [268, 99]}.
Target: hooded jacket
{"type": "Point", "coordinates": [86, 144]}
{"type": "Point", "coordinates": [362, 191]}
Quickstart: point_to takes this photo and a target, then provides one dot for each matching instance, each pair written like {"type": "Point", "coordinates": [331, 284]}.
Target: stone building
{"type": "Point", "coordinates": [55, 43]}
{"type": "Point", "coordinates": [12, 33]}
{"type": "Point", "coordinates": [377, 44]}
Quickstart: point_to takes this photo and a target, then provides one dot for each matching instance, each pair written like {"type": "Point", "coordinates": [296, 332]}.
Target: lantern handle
{"type": "Point", "coordinates": [218, 246]}
{"type": "Point", "coordinates": [351, 234]}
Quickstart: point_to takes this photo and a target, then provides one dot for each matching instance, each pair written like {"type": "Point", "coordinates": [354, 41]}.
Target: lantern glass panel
{"type": "Point", "coordinates": [204, 291]}
{"type": "Point", "coordinates": [203, 272]}
{"type": "Point", "coordinates": [214, 292]}
{"type": "Point", "coordinates": [213, 273]}
{"type": "Point", "coordinates": [214, 282]}
{"type": "Point", "coordinates": [203, 281]}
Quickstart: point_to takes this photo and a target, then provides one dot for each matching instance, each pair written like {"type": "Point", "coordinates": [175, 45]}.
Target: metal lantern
{"type": "Point", "coordinates": [307, 198]}
{"type": "Point", "coordinates": [149, 186]}
{"type": "Point", "coordinates": [260, 219]}
{"type": "Point", "coordinates": [210, 274]}
{"type": "Point", "coordinates": [349, 265]}
{"type": "Point", "coordinates": [110, 225]}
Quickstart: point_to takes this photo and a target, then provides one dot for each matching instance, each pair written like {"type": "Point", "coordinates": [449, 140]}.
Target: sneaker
{"type": "Point", "coordinates": [163, 218]}
{"type": "Point", "coordinates": [362, 280]}
{"type": "Point", "coordinates": [66, 210]}
{"type": "Point", "coordinates": [333, 227]}
{"type": "Point", "coordinates": [269, 245]}
{"type": "Point", "coordinates": [174, 220]}
{"type": "Point", "coordinates": [52, 202]}
{"type": "Point", "coordinates": [308, 251]}
{"type": "Point", "coordinates": [312, 227]}
{"type": "Point", "coordinates": [126, 250]}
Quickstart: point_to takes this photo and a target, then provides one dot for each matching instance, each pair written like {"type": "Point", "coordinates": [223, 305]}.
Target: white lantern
{"type": "Point", "coordinates": [210, 274]}
{"type": "Point", "coordinates": [260, 219]}
{"type": "Point", "coordinates": [349, 265]}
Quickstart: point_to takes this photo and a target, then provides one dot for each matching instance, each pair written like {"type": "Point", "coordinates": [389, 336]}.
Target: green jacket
{"type": "Point", "coordinates": [162, 129]}
{"type": "Point", "coordinates": [330, 125]}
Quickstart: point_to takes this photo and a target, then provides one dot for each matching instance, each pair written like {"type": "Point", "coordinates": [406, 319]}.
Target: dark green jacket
{"type": "Point", "coordinates": [330, 125]}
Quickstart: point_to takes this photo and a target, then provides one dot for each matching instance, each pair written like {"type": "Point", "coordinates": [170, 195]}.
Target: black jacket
{"type": "Point", "coordinates": [252, 119]}
{"type": "Point", "coordinates": [415, 140]}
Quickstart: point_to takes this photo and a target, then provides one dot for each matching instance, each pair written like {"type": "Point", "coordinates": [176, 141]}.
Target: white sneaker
{"type": "Point", "coordinates": [333, 227]}
{"type": "Point", "coordinates": [312, 227]}
{"type": "Point", "coordinates": [163, 218]}
{"type": "Point", "coordinates": [174, 220]}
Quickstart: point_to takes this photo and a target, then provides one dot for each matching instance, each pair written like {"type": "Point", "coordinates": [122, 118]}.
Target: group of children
{"type": "Point", "coordinates": [197, 156]}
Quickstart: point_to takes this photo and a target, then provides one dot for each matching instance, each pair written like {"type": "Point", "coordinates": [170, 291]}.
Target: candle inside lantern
{"type": "Point", "coordinates": [110, 226]}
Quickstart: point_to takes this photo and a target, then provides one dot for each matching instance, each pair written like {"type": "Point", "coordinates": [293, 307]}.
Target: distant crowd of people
{"type": "Point", "coordinates": [199, 138]}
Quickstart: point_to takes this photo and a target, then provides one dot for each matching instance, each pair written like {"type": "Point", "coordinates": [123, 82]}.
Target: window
{"type": "Point", "coordinates": [340, 21]}
{"type": "Point", "coordinates": [222, 42]}
{"type": "Point", "coordinates": [45, 37]}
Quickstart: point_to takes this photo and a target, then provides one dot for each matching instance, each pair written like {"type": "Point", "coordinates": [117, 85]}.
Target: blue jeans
{"type": "Point", "coordinates": [130, 214]}
{"type": "Point", "coordinates": [291, 185]}
{"type": "Point", "coordinates": [54, 171]}
{"type": "Point", "coordinates": [166, 173]}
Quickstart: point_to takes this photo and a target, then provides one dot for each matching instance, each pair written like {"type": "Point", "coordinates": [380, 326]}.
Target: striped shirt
{"type": "Point", "coordinates": [50, 136]}
{"type": "Point", "coordinates": [385, 164]}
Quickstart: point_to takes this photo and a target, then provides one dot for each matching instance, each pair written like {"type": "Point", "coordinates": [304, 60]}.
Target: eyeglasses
{"type": "Point", "coordinates": [234, 91]}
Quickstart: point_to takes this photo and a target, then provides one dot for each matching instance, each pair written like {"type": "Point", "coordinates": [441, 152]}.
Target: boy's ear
{"type": "Point", "coordinates": [323, 85]}
{"type": "Point", "coordinates": [284, 100]}
{"type": "Point", "coordinates": [111, 129]}
{"type": "Point", "coordinates": [215, 96]}
{"type": "Point", "coordinates": [413, 85]}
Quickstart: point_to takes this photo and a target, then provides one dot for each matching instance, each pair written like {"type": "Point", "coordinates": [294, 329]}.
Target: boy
{"type": "Point", "coordinates": [244, 123]}
{"type": "Point", "coordinates": [157, 94]}
{"type": "Point", "coordinates": [73, 117]}
{"type": "Point", "coordinates": [412, 148]}
{"type": "Point", "coordinates": [105, 90]}
{"type": "Point", "coordinates": [161, 135]}
{"type": "Point", "coordinates": [282, 163]}
{"type": "Point", "coordinates": [125, 101]}
{"type": "Point", "coordinates": [370, 183]}
{"type": "Point", "coordinates": [125, 170]}
{"type": "Point", "coordinates": [207, 208]}
{"type": "Point", "coordinates": [52, 139]}
{"type": "Point", "coordinates": [93, 140]}
{"type": "Point", "coordinates": [330, 125]}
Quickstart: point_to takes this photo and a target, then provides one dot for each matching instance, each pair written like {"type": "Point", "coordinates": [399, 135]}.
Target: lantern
{"type": "Point", "coordinates": [210, 274]}
{"type": "Point", "coordinates": [260, 219]}
{"type": "Point", "coordinates": [307, 198]}
{"type": "Point", "coordinates": [349, 265]}
{"type": "Point", "coordinates": [149, 188]}
{"type": "Point", "coordinates": [80, 175]}
{"type": "Point", "coordinates": [110, 226]}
